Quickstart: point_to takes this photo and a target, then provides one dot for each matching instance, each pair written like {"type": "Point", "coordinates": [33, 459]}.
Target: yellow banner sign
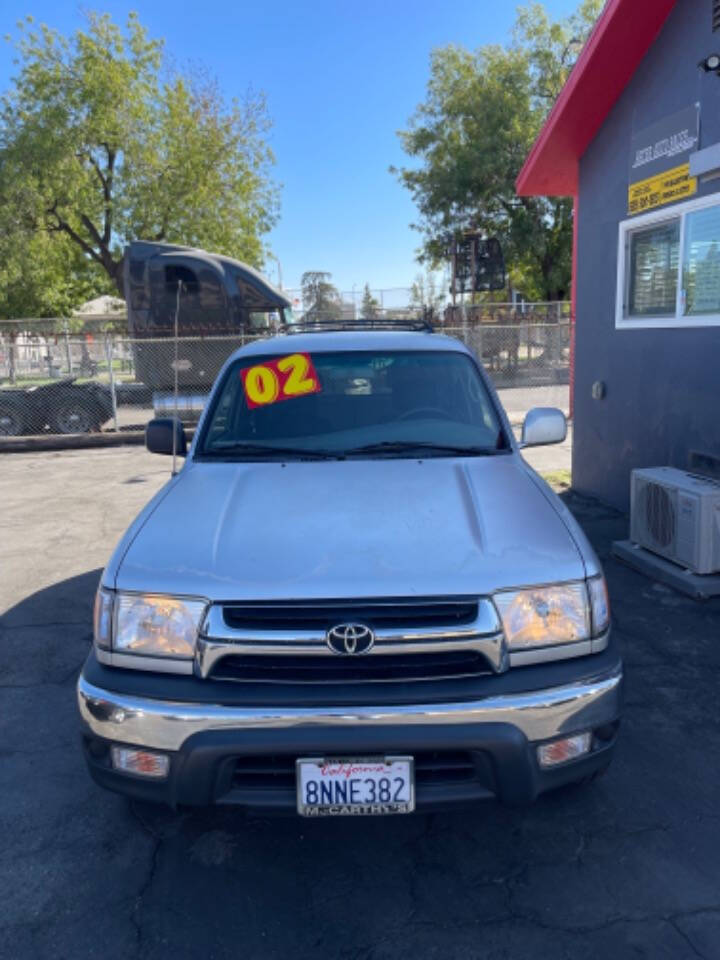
{"type": "Point", "coordinates": [675, 184]}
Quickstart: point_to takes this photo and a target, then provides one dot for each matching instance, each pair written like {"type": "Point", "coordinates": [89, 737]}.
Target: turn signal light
{"type": "Point", "coordinates": [560, 751]}
{"type": "Point", "coordinates": [142, 763]}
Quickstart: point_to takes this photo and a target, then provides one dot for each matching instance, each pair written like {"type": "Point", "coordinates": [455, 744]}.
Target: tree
{"type": "Point", "coordinates": [481, 115]}
{"type": "Point", "coordinates": [425, 295]}
{"type": "Point", "coordinates": [370, 306]}
{"type": "Point", "coordinates": [320, 298]}
{"type": "Point", "coordinates": [43, 277]}
{"type": "Point", "coordinates": [39, 278]}
{"type": "Point", "coordinates": [96, 149]}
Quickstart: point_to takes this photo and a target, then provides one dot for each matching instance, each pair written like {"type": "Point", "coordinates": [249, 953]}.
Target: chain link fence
{"type": "Point", "coordinates": [87, 375]}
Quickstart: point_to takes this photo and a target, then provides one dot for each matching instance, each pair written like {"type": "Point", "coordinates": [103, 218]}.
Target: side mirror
{"type": "Point", "coordinates": [159, 436]}
{"type": "Point", "coordinates": [543, 425]}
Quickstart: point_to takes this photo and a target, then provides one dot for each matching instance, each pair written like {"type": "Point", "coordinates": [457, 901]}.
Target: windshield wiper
{"type": "Point", "coordinates": [241, 450]}
{"type": "Point", "coordinates": [407, 446]}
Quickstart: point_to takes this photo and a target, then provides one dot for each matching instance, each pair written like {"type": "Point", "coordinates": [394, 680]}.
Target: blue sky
{"type": "Point", "coordinates": [340, 78]}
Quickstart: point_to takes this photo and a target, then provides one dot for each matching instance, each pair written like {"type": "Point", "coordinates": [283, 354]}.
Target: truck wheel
{"type": "Point", "coordinates": [12, 422]}
{"type": "Point", "coordinates": [73, 417]}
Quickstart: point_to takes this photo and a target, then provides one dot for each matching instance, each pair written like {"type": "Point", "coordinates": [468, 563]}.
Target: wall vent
{"type": "Point", "coordinates": [715, 15]}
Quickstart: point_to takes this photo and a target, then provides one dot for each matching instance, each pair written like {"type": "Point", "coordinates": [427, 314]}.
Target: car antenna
{"type": "Point", "coordinates": [175, 379]}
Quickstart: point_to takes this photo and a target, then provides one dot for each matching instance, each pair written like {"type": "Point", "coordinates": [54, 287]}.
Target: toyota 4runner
{"type": "Point", "coordinates": [355, 597]}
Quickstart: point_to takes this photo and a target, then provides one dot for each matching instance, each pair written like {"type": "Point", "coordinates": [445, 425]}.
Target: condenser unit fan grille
{"type": "Point", "coordinates": [657, 507]}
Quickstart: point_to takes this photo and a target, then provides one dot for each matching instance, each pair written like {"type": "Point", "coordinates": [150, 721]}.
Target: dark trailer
{"type": "Point", "coordinates": [220, 298]}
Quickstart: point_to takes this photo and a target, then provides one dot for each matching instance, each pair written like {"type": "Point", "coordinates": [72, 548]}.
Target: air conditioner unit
{"type": "Point", "coordinates": [677, 515]}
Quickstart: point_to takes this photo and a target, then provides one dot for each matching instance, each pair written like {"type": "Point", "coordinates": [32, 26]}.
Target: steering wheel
{"type": "Point", "coordinates": [417, 412]}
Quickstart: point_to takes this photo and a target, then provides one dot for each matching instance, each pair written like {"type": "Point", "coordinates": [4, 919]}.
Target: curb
{"type": "Point", "coordinates": [82, 441]}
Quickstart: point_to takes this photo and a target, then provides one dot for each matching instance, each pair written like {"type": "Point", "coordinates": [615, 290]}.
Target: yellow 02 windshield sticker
{"type": "Point", "coordinates": [282, 379]}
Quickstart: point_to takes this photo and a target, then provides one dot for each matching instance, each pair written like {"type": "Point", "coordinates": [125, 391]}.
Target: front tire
{"type": "Point", "coordinates": [73, 417]}
{"type": "Point", "coordinates": [12, 421]}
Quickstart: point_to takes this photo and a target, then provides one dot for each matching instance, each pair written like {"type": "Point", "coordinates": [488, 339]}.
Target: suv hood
{"type": "Point", "coordinates": [345, 529]}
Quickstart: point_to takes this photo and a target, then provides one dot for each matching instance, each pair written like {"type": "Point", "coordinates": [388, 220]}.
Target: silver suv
{"type": "Point", "coordinates": [355, 597]}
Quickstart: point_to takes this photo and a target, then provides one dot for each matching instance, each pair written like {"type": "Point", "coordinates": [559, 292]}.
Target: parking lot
{"type": "Point", "coordinates": [624, 868]}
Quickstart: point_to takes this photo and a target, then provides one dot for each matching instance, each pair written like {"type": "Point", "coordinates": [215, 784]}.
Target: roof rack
{"type": "Point", "coordinates": [332, 326]}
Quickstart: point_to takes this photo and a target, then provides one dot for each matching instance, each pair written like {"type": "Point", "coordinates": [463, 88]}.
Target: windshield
{"type": "Point", "coordinates": [352, 403]}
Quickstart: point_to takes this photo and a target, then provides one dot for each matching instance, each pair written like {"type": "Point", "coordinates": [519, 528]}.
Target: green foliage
{"type": "Point", "coordinates": [99, 146]}
{"type": "Point", "coordinates": [369, 305]}
{"type": "Point", "coordinates": [481, 115]}
{"type": "Point", "coordinates": [321, 299]}
{"type": "Point", "coordinates": [44, 277]}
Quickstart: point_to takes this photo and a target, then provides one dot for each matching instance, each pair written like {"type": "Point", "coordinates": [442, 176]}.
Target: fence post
{"type": "Point", "coordinates": [68, 354]}
{"type": "Point", "coordinates": [12, 359]}
{"type": "Point", "coordinates": [108, 354]}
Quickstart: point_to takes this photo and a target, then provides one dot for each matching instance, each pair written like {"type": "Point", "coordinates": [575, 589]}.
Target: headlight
{"type": "Point", "coordinates": [157, 626]}
{"type": "Point", "coordinates": [544, 616]}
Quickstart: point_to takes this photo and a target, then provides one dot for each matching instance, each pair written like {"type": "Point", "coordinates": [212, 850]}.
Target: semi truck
{"type": "Point", "coordinates": [214, 304]}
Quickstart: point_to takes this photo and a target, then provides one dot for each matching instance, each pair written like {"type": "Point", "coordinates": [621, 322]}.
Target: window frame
{"type": "Point", "coordinates": [656, 217]}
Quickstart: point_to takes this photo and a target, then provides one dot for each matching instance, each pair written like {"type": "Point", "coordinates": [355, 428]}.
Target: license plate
{"type": "Point", "coordinates": [370, 786]}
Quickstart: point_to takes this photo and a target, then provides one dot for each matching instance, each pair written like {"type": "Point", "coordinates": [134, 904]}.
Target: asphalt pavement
{"type": "Point", "coordinates": [627, 867]}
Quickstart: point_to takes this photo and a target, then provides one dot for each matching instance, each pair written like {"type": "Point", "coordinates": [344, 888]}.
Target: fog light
{"type": "Point", "coordinates": [143, 763]}
{"type": "Point", "coordinates": [560, 751]}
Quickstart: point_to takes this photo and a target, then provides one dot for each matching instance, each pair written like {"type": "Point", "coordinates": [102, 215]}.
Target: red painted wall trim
{"type": "Point", "coordinates": [573, 305]}
{"type": "Point", "coordinates": [620, 39]}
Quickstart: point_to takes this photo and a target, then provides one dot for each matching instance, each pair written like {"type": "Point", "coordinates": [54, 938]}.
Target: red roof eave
{"type": "Point", "coordinates": [620, 39]}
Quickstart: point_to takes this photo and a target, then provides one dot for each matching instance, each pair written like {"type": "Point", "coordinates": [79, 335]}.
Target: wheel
{"type": "Point", "coordinates": [72, 416]}
{"type": "Point", "coordinates": [12, 422]}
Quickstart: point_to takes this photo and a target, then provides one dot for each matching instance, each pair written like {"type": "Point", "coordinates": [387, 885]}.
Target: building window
{"type": "Point", "coordinates": [653, 269]}
{"type": "Point", "coordinates": [701, 263]}
{"type": "Point", "coordinates": [669, 267]}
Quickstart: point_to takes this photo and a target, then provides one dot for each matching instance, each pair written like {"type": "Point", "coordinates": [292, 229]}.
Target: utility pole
{"type": "Point", "coordinates": [279, 269]}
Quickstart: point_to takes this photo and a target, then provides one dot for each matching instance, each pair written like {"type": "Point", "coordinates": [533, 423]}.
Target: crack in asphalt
{"type": "Point", "coordinates": [532, 919]}
{"type": "Point", "coordinates": [368, 952]}
{"type": "Point", "coordinates": [150, 876]}
{"type": "Point", "coordinates": [688, 940]}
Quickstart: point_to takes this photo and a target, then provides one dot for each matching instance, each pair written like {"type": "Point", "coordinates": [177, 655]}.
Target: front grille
{"type": "Point", "coordinates": [424, 638]}
{"type": "Point", "coordinates": [388, 614]}
{"type": "Point", "coordinates": [431, 767]}
{"type": "Point", "coordinates": [330, 668]}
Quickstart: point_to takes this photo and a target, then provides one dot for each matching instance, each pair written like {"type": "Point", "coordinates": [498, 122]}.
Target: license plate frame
{"type": "Point", "coordinates": [357, 808]}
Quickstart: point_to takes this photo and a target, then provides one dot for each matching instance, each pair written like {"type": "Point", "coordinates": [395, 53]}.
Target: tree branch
{"type": "Point", "coordinates": [107, 231]}
{"type": "Point", "coordinates": [64, 227]}
{"type": "Point", "coordinates": [106, 180]}
{"type": "Point", "coordinates": [93, 231]}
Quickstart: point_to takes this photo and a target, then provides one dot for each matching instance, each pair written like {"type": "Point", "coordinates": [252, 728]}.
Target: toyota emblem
{"type": "Point", "coordinates": [350, 638]}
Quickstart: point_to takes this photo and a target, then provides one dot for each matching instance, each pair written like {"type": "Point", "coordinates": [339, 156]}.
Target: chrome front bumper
{"type": "Point", "coordinates": [165, 725]}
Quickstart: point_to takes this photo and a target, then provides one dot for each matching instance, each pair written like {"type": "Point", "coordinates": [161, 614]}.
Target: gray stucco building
{"type": "Point", "coordinates": [635, 138]}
